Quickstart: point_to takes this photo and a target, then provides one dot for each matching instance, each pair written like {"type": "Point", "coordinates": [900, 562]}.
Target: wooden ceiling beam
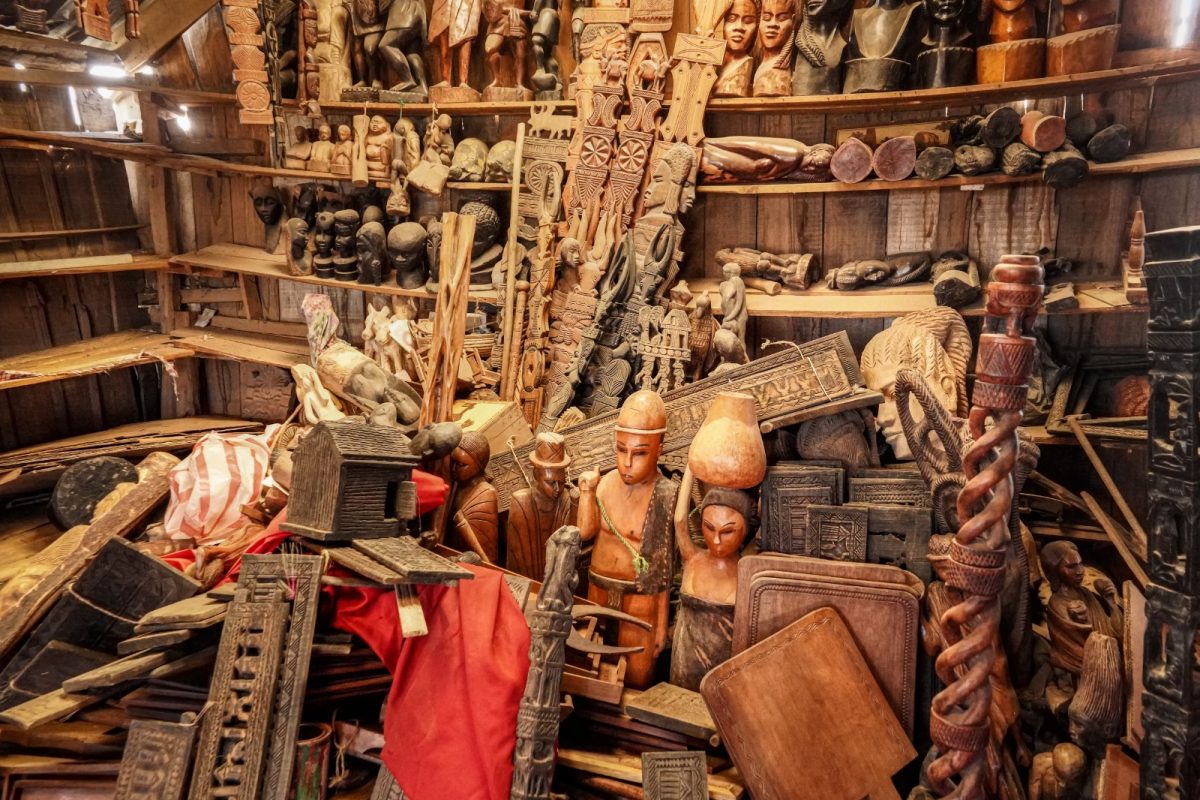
{"type": "Point", "coordinates": [163, 21]}
{"type": "Point", "coordinates": [46, 52]}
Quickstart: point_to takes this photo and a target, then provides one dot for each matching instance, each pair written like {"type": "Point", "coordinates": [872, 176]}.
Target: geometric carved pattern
{"type": "Point", "coordinates": [675, 776]}
{"type": "Point", "coordinates": [838, 533]}
{"type": "Point", "coordinates": [156, 760]}
{"type": "Point", "coordinates": [788, 490]}
{"type": "Point", "coordinates": [898, 491]}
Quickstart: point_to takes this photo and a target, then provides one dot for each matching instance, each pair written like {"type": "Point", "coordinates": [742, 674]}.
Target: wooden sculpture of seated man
{"type": "Point", "coordinates": [628, 513]}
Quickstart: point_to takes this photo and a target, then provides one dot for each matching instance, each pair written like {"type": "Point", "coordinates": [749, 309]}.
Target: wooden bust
{"type": "Point", "coordinates": [475, 506]}
{"type": "Point", "coordinates": [946, 57]}
{"type": "Point", "coordinates": [628, 513]}
{"type": "Point", "coordinates": [820, 47]}
{"type": "Point", "coordinates": [777, 24]}
{"type": "Point", "coordinates": [737, 65]}
{"type": "Point", "coordinates": [320, 154]}
{"type": "Point", "coordinates": [883, 38]}
{"type": "Point", "coordinates": [1075, 611]}
{"type": "Point", "coordinates": [704, 625]}
{"type": "Point", "coordinates": [268, 206]}
{"type": "Point", "coordinates": [538, 511]}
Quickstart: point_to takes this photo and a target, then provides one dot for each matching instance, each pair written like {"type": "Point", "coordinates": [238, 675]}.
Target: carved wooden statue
{"type": "Point", "coordinates": [299, 256]}
{"type": "Point", "coordinates": [474, 507]}
{"type": "Point", "coordinates": [506, 47]}
{"type": "Point", "coordinates": [342, 152]}
{"type": "Point", "coordinates": [1016, 52]}
{"type": "Point", "coordinates": [401, 49]}
{"type": "Point", "coordinates": [535, 512]}
{"type": "Point", "coordinates": [268, 207]}
{"type": "Point", "coordinates": [550, 625]}
{"type": "Point", "coordinates": [547, 79]}
{"type": "Point", "coordinates": [958, 721]}
{"type": "Point", "coordinates": [756, 159]}
{"type": "Point", "coordinates": [1058, 774]}
{"type": "Point", "coordinates": [894, 270]}
{"type": "Point", "coordinates": [737, 66]}
{"type": "Point", "coordinates": [379, 143]}
{"type": "Point", "coordinates": [733, 301]}
{"type": "Point", "coordinates": [453, 26]}
{"type": "Point", "coordinates": [406, 249]}
{"type": "Point", "coordinates": [628, 513]}
{"type": "Point", "coordinates": [820, 48]}
{"type": "Point", "coordinates": [946, 57]}
{"type": "Point", "coordinates": [883, 38]}
{"type": "Point", "coordinates": [776, 28]}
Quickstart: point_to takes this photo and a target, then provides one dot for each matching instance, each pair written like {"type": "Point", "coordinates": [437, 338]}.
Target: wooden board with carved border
{"type": "Point", "coordinates": [156, 760]}
{"type": "Point", "coordinates": [788, 490]}
{"type": "Point", "coordinates": [675, 776]}
{"type": "Point", "coordinates": [413, 562]}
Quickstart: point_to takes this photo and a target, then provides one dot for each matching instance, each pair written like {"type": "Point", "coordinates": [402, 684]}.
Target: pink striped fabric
{"type": "Point", "coordinates": [208, 488]}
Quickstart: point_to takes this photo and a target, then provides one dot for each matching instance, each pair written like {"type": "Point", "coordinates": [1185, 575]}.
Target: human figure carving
{"type": "Point", "coordinates": [538, 511]}
{"type": "Point", "coordinates": [820, 47]}
{"type": "Point", "coordinates": [475, 507]}
{"type": "Point", "coordinates": [776, 30]}
{"type": "Point", "coordinates": [737, 65]}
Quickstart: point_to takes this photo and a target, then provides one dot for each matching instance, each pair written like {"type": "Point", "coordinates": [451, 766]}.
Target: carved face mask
{"type": "Point", "coordinates": [549, 481]}
{"type": "Point", "coordinates": [267, 207]}
{"type": "Point", "coordinates": [724, 530]}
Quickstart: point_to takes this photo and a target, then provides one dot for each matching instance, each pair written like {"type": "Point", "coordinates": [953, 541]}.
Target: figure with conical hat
{"type": "Point", "coordinates": [628, 513]}
{"type": "Point", "coordinates": [535, 513]}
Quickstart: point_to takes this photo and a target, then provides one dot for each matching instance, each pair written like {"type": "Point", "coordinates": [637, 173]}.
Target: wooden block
{"type": "Point", "coordinates": [48, 708]}
{"type": "Point", "coordinates": [497, 421]}
{"type": "Point", "coordinates": [892, 490]}
{"type": "Point", "coordinates": [1120, 776]}
{"type": "Point", "coordinates": [1061, 296]}
{"type": "Point", "coordinates": [50, 666]}
{"type": "Point", "coordinates": [628, 768]}
{"type": "Point", "coordinates": [364, 565]}
{"type": "Point", "coordinates": [190, 614]}
{"type": "Point", "coordinates": [675, 776]}
{"type": "Point", "coordinates": [1133, 648]}
{"type": "Point", "coordinates": [895, 159]}
{"type": "Point", "coordinates": [412, 617]}
{"type": "Point", "coordinates": [153, 641]}
{"type": "Point", "coordinates": [899, 536]}
{"type": "Point", "coordinates": [826, 712]}
{"type": "Point", "coordinates": [156, 761]}
{"type": "Point", "coordinates": [1064, 168]}
{"type": "Point", "coordinates": [851, 162]}
{"type": "Point", "coordinates": [116, 673]}
{"type": "Point", "coordinates": [1000, 127]}
{"type": "Point", "coordinates": [673, 708]}
{"type": "Point", "coordinates": [934, 163]}
{"type": "Point", "coordinates": [837, 532]}
{"type": "Point", "coordinates": [1043, 132]}
{"type": "Point", "coordinates": [416, 564]}
{"type": "Point", "coordinates": [1110, 144]}
{"type": "Point", "coordinates": [1090, 50]}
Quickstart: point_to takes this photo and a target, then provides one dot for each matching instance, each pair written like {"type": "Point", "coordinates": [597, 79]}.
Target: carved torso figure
{"type": "Point", "coordinates": [882, 41]}
{"type": "Point", "coordinates": [379, 149]}
{"type": "Point", "coordinates": [1074, 610]}
{"type": "Point", "coordinates": [777, 24]}
{"type": "Point", "coordinates": [820, 47]}
{"type": "Point", "coordinates": [475, 507]}
{"type": "Point", "coordinates": [343, 151]}
{"type": "Point", "coordinates": [453, 25]}
{"type": "Point", "coordinates": [320, 154]}
{"type": "Point", "coordinates": [946, 57]}
{"type": "Point", "coordinates": [733, 301]}
{"type": "Point", "coordinates": [737, 67]}
{"type": "Point", "coordinates": [538, 511]}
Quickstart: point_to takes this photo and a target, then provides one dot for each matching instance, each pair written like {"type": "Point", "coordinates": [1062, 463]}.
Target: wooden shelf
{"type": "Point", "coordinates": [88, 357]}
{"type": "Point", "coordinates": [895, 301]}
{"type": "Point", "coordinates": [277, 351]}
{"type": "Point", "coordinates": [246, 260]}
{"type": "Point", "coordinates": [1139, 163]}
{"type": "Point", "coordinates": [85, 265]}
{"type": "Point", "coordinates": [470, 186]}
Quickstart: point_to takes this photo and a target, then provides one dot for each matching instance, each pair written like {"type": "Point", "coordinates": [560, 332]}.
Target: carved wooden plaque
{"type": "Point", "coordinates": [364, 565]}
{"type": "Point", "coordinates": [788, 491]}
{"type": "Point", "coordinates": [156, 760]}
{"type": "Point", "coordinates": [899, 536]}
{"type": "Point", "coordinates": [814, 374]}
{"type": "Point", "coordinates": [234, 735]}
{"type": "Point", "coordinates": [837, 532]}
{"type": "Point", "coordinates": [267, 392]}
{"type": "Point", "coordinates": [298, 578]}
{"type": "Point", "coordinates": [675, 776]}
{"type": "Point", "coordinates": [908, 490]}
{"type": "Point", "coordinates": [386, 787]}
{"type": "Point", "coordinates": [673, 708]}
{"type": "Point", "coordinates": [416, 564]}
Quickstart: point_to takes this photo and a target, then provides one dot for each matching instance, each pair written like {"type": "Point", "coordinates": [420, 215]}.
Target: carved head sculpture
{"type": "Point", "coordinates": [304, 203]}
{"type": "Point", "coordinates": [840, 436]}
{"type": "Point", "coordinates": [398, 205]}
{"type": "Point", "coordinates": [741, 24]}
{"type": "Point", "coordinates": [300, 134]}
{"type": "Point", "coordinates": [570, 253]}
{"type": "Point", "coordinates": [1062, 564]}
{"type": "Point", "coordinates": [611, 44]}
{"type": "Point", "coordinates": [297, 236]}
{"type": "Point", "coordinates": [370, 247]}
{"type": "Point", "coordinates": [641, 424]}
{"type": "Point", "coordinates": [725, 520]}
{"type": "Point", "coordinates": [433, 243]}
{"type": "Point", "coordinates": [406, 248]}
{"type": "Point", "coordinates": [945, 12]}
{"type": "Point", "coordinates": [324, 133]}
{"type": "Point", "coordinates": [731, 270]}
{"type": "Point", "coordinates": [268, 203]}
{"type": "Point", "coordinates": [378, 125]}
{"type": "Point", "coordinates": [550, 461]}
{"type": "Point", "coordinates": [777, 22]}
{"type": "Point", "coordinates": [471, 456]}
{"type": "Point", "coordinates": [323, 236]}
{"type": "Point", "coordinates": [343, 134]}
{"type": "Point", "coordinates": [487, 225]}
{"type": "Point", "coordinates": [372, 213]}
{"type": "Point", "coordinates": [345, 224]}
{"type": "Point", "coordinates": [1070, 765]}
{"type": "Point", "coordinates": [668, 181]}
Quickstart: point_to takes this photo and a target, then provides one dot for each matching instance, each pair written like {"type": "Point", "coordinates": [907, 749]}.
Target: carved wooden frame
{"type": "Point", "coordinates": [675, 775]}
{"type": "Point", "coordinates": [838, 533]}
{"type": "Point", "coordinates": [787, 491]}
{"type": "Point", "coordinates": [156, 761]}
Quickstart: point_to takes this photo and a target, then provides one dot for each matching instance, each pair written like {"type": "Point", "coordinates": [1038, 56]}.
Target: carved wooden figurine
{"type": "Point", "coordinates": [345, 241]}
{"type": "Point", "coordinates": [268, 207]}
{"type": "Point", "coordinates": [628, 513]}
{"type": "Point", "coordinates": [474, 507]}
{"type": "Point", "coordinates": [506, 47]}
{"type": "Point", "coordinates": [431, 174]}
{"type": "Point", "coordinates": [737, 66]}
{"type": "Point", "coordinates": [379, 143]}
{"type": "Point", "coordinates": [1135, 259]}
{"type": "Point", "coordinates": [535, 512]}
{"type": "Point", "coordinates": [401, 49]}
{"type": "Point", "coordinates": [406, 248]}
{"type": "Point", "coordinates": [883, 38]}
{"type": "Point", "coordinates": [299, 257]}
{"type": "Point", "coordinates": [1088, 41]}
{"type": "Point", "coordinates": [1016, 52]}
{"type": "Point", "coordinates": [946, 57]}
{"type": "Point", "coordinates": [453, 26]}
{"type": "Point", "coordinates": [1058, 774]}
{"type": "Point", "coordinates": [371, 253]}
{"type": "Point", "coordinates": [820, 47]}
{"type": "Point", "coordinates": [776, 28]}
{"type": "Point", "coordinates": [895, 270]}
{"type": "Point", "coordinates": [733, 301]}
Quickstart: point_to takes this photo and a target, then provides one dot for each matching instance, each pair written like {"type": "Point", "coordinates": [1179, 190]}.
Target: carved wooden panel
{"type": "Point", "coordinates": [899, 536]}
{"type": "Point", "coordinates": [675, 776]}
{"type": "Point", "coordinates": [898, 491]}
{"type": "Point", "coordinates": [244, 29]}
{"type": "Point", "coordinates": [416, 564]}
{"type": "Point", "coordinates": [837, 532]}
{"type": "Point", "coordinates": [788, 491]}
{"type": "Point", "coordinates": [297, 578]}
{"type": "Point", "coordinates": [673, 708]}
{"type": "Point", "coordinates": [386, 787]}
{"type": "Point", "coordinates": [156, 760]}
{"type": "Point", "coordinates": [234, 735]}
{"type": "Point", "coordinates": [267, 392]}
{"type": "Point", "coordinates": [821, 371]}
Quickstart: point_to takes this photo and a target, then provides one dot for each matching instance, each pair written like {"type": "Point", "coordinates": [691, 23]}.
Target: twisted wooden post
{"type": "Point", "coordinates": [959, 722]}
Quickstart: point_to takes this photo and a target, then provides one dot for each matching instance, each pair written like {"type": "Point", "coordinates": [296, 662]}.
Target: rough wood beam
{"type": "Point", "coordinates": [48, 53]}
{"type": "Point", "coordinates": [162, 23]}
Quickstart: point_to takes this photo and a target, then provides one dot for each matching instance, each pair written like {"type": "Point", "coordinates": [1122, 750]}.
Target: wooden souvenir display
{"type": "Point", "coordinates": [550, 624]}
{"type": "Point", "coordinates": [946, 56]}
{"type": "Point", "coordinates": [473, 503]}
{"type": "Point", "coordinates": [883, 38]}
{"type": "Point", "coordinates": [234, 736]}
{"type": "Point", "coordinates": [776, 38]}
{"type": "Point", "coordinates": [156, 761]}
{"type": "Point", "coordinates": [351, 481]}
{"type": "Point", "coordinates": [675, 776]}
{"type": "Point", "coordinates": [980, 548]}
{"type": "Point", "coordinates": [1088, 41]}
{"type": "Point", "coordinates": [1170, 698]}
{"type": "Point", "coordinates": [820, 48]}
{"type": "Point", "coordinates": [93, 18]}
{"type": "Point", "coordinates": [879, 604]}
{"type": "Point", "coordinates": [244, 29]}
{"type": "Point", "coordinates": [825, 708]}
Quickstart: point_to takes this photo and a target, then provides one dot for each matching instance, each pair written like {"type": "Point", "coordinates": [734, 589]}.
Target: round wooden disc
{"type": "Point", "coordinates": [84, 484]}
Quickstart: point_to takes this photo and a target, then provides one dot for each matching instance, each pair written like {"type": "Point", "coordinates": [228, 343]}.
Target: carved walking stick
{"type": "Point", "coordinates": [959, 720]}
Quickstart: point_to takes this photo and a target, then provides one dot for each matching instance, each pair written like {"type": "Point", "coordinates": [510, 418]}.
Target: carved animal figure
{"type": "Point", "coordinates": [545, 124]}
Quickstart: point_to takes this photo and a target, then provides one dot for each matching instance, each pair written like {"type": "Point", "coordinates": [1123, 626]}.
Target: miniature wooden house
{"type": "Point", "coordinates": [352, 481]}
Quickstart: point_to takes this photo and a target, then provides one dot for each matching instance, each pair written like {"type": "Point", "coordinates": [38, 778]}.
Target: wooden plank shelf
{"type": "Point", "coordinates": [85, 265]}
{"type": "Point", "coordinates": [53, 77]}
{"type": "Point", "coordinates": [88, 357]}
{"type": "Point", "coordinates": [1137, 164]}
{"type": "Point", "coordinates": [277, 351]}
{"type": "Point", "coordinates": [246, 260]}
{"type": "Point", "coordinates": [894, 301]}
{"type": "Point", "coordinates": [20, 236]}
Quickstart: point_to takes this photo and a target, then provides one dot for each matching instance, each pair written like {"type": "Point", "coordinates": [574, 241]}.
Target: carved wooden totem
{"type": "Point", "coordinates": [959, 717]}
{"type": "Point", "coordinates": [550, 624]}
{"type": "Point", "coordinates": [93, 18]}
{"type": "Point", "coordinates": [244, 29]}
{"type": "Point", "coordinates": [1171, 701]}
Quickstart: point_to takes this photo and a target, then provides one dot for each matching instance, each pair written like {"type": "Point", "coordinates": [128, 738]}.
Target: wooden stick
{"type": "Point", "coordinates": [507, 388]}
{"type": "Point", "coordinates": [1116, 535]}
{"type": "Point", "coordinates": [1135, 526]}
{"type": "Point", "coordinates": [513, 352]}
{"type": "Point", "coordinates": [412, 616]}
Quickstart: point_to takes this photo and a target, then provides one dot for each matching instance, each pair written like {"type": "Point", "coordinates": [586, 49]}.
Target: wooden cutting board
{"type": "Point", "coordinates": [804, 719]}
{"type": "Point", "coordinates": [881, 606]}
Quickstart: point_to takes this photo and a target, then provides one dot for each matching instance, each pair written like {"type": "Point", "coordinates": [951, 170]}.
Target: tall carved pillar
{"type": "Point", "coordinates": [1171, 704]}
{"type": "Point", "coordinates": [976, 569]}
{"type": "Point", "coordinates": [549, 624]}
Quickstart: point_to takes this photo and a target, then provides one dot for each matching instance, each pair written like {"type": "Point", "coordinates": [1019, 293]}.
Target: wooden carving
{"type": "Point", "coordinates": [979, 551]}
{"type": "Point", "coordinates": [696, 60]}
{"type": "Point", "coordinates": [93, 18]}
{"type": "Point", "coordinates": [409, 559]}
{"type": "Point", "coordinates": [386, 787]}
{"type": "Point", "coordinates": [899, 535]}
{"type": "Point", "coordinates": [1135, 260]}
{"type": "Point", "coordinates": [244, 29]}
{"type": "Point", "coordinates": [156, 761]}
{"type": "Point", "coordinates": [788, 491]}
{"type": "Point", "coordinates": [550, 624]}
{"type": "Point", "coordinates": [234, 735]}
{"type": "Point", "coordinates": [1171, 745]}
{"type": "Point", "coordinates": [675, 776]}
{"type": "Point", "coordinates": [836, 532]}
{"type": "Point", "coordinates": [898, 491]}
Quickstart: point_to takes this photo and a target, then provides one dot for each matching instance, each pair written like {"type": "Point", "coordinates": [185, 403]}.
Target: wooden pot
{"type": "Point", "coordinates": [728, 449]}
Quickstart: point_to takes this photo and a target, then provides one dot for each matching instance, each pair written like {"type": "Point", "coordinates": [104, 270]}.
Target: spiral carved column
{"type": "Point", "coordinates": [959, 720]}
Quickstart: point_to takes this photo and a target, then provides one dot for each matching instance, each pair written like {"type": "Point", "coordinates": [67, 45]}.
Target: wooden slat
{"type": "Point", "coordinates": [48, 77]}
{"type": "Point", "coordinates": [88, 357]}
{"type": "Point", "coordinates": [243, 346]}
